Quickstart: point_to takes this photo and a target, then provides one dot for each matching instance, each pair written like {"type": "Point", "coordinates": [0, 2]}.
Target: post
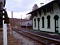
{"type": "Point", "coordinates": [4, 33]}
{"type": "Point", "coordinates": [21, 21]}
{"type": "Point", "coordinates": [11, 25]}
{"type": "Point", "coordinates": [12, 14]}
{"type": "Point", "coordinates": [26, 23]}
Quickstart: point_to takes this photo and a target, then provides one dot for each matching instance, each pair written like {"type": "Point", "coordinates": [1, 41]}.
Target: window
{"type": "Point", "coordinates": [34, 22]}
{"type": "Point", "coordinates": [42, 22]}
{"type": "Point", "coordinates": [38, 19]}
{"type": "Point", "coordinates": [38, 22]}
{"type": "Point", "coordinates": [48, 21]}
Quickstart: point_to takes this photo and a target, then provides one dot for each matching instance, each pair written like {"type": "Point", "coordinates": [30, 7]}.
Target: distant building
{"type": "Point", "coordinates": [15, 23]}
{"type": "Point", "coordinates": [20, 23]}
{"type": "Point", "coordinates": [47, 17]}
{"type": "Point", "coordinates": [26, 23]}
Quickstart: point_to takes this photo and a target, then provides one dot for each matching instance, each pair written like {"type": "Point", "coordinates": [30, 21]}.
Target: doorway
{"type": "Point", "coordinates": [56, 17]}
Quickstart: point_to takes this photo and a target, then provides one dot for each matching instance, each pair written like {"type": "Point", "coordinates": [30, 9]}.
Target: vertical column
{"type": "Point", "coordinates": [4, 33]}
{"type": "Point", "coordinates": [38, 23]}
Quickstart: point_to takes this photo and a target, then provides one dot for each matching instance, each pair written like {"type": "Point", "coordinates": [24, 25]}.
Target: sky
{"type": "Point", "coordinates": [21, 7]}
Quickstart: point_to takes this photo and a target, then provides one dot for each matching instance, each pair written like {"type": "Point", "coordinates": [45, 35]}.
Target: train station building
{"type": "Point", "coordinates": [47, 17]}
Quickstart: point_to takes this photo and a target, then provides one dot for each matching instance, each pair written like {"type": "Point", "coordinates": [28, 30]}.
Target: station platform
{"type": "Point", "coordinates": [10, 38]}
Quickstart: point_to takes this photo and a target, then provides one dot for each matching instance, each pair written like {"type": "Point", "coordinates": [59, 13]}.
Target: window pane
{"type": "Point", "coordinates": [34, 22]}
{"type": "Point", "coordinates": [48, 21]}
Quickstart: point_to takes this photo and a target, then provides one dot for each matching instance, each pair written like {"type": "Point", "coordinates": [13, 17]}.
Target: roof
{"type": "Point", "coordinates": [48, 6]}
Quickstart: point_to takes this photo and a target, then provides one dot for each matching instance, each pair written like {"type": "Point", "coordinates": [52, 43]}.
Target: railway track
{"type": "Point", "coordinates": [41, 39]}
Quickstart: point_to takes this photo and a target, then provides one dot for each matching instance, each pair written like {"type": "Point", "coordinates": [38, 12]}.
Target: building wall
{"type": "Point", "coordinates": [52, 21]}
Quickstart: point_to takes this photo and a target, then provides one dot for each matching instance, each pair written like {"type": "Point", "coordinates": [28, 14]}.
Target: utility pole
{"type": "Point", "coordinates": [21, 21]}
{"type": "Point", "coordinates": [5, 22]}
{"type": "Point", "coordinates": [11, 14]}
{"type": "Point", "coordinates": [11, 25]}
{"type": "Point", "coordinates": [26, 22]}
